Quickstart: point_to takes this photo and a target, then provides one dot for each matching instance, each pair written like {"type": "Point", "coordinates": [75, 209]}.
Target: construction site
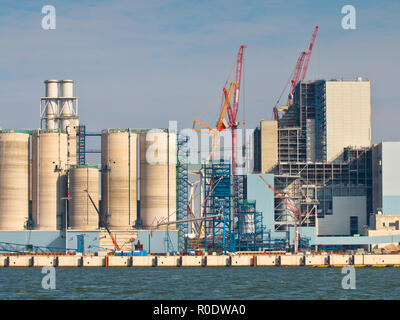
{"type": "Point", "coordinates": [307, 187]}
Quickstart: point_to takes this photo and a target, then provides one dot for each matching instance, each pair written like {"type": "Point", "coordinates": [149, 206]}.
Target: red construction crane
{"type": "Point", "coordinates": [228, 108]}
{"type": "Point", "coordinates": [232, 112]}
{"type": "Point", "coordinates": [310, 48]}
{"type": "Point", "coordinates": [293, 208]}
{"type": "Point", "coordinates": [296, 77]}
{"type": "Point", "coordinates": [299, 73]}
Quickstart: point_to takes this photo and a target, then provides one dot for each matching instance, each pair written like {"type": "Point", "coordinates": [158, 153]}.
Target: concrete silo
{"type": "Point", "coordinates": [82, 214]}
{"type": "Point", "coordinates": [119, 178]}
{"type": "Point", "coordinates": [157, 178]}
{"type": "Point", "coordinates": [14, 183]}
{"type": "Point", "coordinates": [49, 179]}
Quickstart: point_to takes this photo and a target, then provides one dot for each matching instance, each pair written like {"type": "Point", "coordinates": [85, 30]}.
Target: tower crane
{"type": "Point", "coordinates": [221, 122]}
{"type": "Point", "coordinates": [232, 112]}
{"type": "Point", "coordinates": [227, 108]}
{"type": "Point", "coordinates": [298, 74]}
{"type": "Point", "coordinates": [232, 117]}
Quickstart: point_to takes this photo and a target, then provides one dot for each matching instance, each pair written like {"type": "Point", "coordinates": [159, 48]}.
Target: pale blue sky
{"type": "Point", "coordinates": [142, 63]}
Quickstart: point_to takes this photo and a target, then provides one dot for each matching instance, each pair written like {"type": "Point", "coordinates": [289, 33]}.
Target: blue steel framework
{"type": "Point", "coordinates": [182, 190]}
{"type": "Point", "coordinates": [81, 144]}
{"type": "Point", "coordinates": [250, 230]}
{"type": "Point", "coordinates": [218, 235]}
{"type": "Point", "coordinates": [240, 192]}
{"type": "Point", "coordinates": [320, 121]}
{"type": "Point", "coordinates": [81, 152]}
{"type": "Point", "coordinates": [304, 243]}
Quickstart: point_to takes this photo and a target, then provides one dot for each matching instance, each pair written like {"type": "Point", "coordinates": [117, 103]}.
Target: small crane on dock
{"type": "Point", "coordinates": [103, 221]}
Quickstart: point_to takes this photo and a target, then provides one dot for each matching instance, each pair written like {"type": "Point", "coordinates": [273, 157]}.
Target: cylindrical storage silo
{"type": "Point", "coordinates": [157, 178]}
{"type": "Point", "coordinates": [14, 184]}
{"type": "Point", "coordinates": [49, 179]}
{"type": "Point", "coordinates": [82, 214]}
{"type": "Point", "coordinates": [66, 112]}
{"type": "Point", "coordinates": [52, 106]}
{"type": "Point", "coordinates": [119, 178]}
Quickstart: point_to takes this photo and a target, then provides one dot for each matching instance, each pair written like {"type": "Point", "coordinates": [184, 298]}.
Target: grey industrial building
{"type": "Point", "coordinates": [322, 159]}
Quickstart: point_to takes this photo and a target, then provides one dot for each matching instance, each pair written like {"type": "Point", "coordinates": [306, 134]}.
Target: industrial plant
{"type": "Point", "coordinates": [316, 182]}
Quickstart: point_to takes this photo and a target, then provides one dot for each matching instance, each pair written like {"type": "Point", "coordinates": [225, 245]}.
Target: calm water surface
{"type": "Point", "coordinates": [200, 283]}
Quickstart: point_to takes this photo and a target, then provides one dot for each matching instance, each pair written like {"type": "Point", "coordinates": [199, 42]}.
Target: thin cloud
{"type": "Point", "coordinates": [141, 63]}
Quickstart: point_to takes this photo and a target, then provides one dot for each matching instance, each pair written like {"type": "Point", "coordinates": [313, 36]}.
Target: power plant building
{"type": "Point", "coordinates": [324, 162]}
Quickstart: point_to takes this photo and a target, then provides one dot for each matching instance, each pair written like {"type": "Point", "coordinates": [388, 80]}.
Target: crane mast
{"type": "Point", "coordinates": [232, 114]}
{"type": "Point", "coordinates": [310, 48]}
{"type": "Point", "coordinates": [298, 74]}
{"type": "Point", "coordinates": [232, 111]}
{"type": "Point", "coordinates": [233, 123]}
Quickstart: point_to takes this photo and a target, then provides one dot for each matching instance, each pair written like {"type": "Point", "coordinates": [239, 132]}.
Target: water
{"type": "Point", "coordinates": [200, 283]}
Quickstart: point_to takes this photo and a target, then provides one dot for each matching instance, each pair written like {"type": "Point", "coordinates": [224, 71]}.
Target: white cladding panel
{"type": "Point", "coordinates": [390, 168]}
{"type": "Point", "coordinates": [348, 116]}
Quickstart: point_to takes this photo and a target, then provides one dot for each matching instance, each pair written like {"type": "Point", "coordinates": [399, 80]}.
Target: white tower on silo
{"type": "Point", "coordinates": [59, 111]}
{"type": "Point", "coordinates": [67, 105]}
{"type": "Point", "coordinates": [51, 104]}
{"type": "Point", "coordinates": [59, 107]}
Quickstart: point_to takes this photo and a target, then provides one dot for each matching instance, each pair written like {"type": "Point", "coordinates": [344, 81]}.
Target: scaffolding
{"type": "Point", "coordinates": [239, 194]}
{"type": "Point", "coordinates": [218, 197]}
{"type": "Point", "coordinates": [81, 147]}
{"type": "Point", "coordinates": [297, 126]}
{"type": "Point", "coordinates": [313, 185]}
{"type": "Point", "coordinates": [289, 144]}
{"type": "Point", "coordinates": [320, 121]}
{"type": "Point", "coordinates": [249, 236]}
{"type": "Point", "coordinates": [182, 190]}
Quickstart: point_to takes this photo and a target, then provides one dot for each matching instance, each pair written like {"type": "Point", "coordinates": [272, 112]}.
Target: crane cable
{"type": "Point", "coordinates": [284, 89]}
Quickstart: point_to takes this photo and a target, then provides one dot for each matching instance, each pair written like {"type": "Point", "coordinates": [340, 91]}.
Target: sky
{"type": "Point", "coordinates": [139, 64]}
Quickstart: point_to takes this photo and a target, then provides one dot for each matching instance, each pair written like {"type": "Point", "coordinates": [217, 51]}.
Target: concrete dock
{"type": "Point", "coordinates": [236, 260]}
